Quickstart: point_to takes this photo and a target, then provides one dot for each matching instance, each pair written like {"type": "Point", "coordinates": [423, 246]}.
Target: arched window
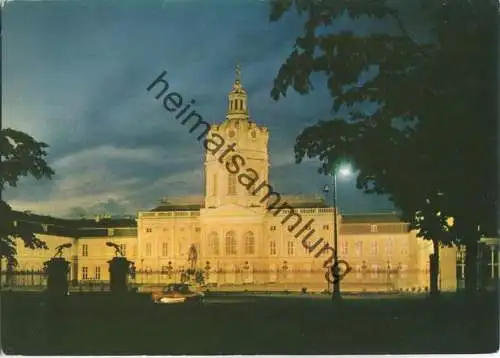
{"type": "Point", "coordinates": [249, 243]}
{"type": "Point", "coordinates": [231, 184]}
{"type": "Point", "coordinates": [213, 243]}
{"type": "Point", "coordinates": [214, 185]}
{"type": "Point", "coordinates": [230, 243]}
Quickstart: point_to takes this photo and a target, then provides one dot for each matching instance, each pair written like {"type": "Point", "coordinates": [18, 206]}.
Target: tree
{"type": "Point", "coordinates": [430, 142]}
{"type": "Point", "coordinates": [20, 155]}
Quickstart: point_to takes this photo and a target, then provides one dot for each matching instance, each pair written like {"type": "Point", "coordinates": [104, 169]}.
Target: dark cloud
{"type": "Point", "coordinates": [76, 75]}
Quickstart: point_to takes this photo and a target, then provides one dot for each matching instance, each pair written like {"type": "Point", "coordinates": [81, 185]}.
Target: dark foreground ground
{"type": "Point", "coordinates": [97, 324]}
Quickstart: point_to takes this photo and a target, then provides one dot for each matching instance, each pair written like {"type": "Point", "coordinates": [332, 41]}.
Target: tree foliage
{"type": "Point", "coordinates": [20, 155]}
{"type": "Point", "coordinates": [430, 143]}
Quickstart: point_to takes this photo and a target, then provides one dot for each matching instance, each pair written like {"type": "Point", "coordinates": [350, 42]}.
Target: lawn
{"type": "Point", "coordinates": [97, 323]}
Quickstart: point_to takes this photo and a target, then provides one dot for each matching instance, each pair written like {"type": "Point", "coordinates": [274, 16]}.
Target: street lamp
{"type": "Point", "coordinates": [343, 171]}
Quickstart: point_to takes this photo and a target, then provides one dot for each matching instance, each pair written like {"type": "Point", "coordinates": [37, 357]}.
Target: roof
{"type": "Point", "coordinates": [383, 217]}
{"type": "Point", "coordinates": [43, 224]}
{"type": "Point", "coordinates": [178, 207]}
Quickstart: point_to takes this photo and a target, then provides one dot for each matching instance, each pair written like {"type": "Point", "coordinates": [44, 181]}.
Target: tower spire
{"type": "Point", "coordinates": [238, 73]}
{"type": "Point", "coordinates": [237, 106]}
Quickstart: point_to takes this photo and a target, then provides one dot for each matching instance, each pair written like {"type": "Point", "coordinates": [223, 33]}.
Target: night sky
{"type": "Point", "coordinates": [75, 75]}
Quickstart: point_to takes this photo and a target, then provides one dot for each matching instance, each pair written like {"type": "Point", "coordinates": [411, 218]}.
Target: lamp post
{"type": "Point", "coordinates": [344, 171]}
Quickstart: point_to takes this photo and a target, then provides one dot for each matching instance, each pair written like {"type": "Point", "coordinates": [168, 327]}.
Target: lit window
{"type": "Point", "coordinates": [388, 246]}
{"type": "Point", "coordinates": [148, 249]}
{"type": "Point", "coordinates": [213, 244]}
{"type": "Point", "coordinates": [231, 185]}
{"type": "Point", "coordinates": [97, 273]}
{"type": "Point", "coordinates": [214, 185]}
{"type": "Point", "coordinates": [85, 250]}
{"type": "Point", "coordinates": [249, 243]}
{"type": "Point", "coordinates": [272, 247]}
{"type": "Point", "coordinates": [404, 248]}
{"type": "Point", "coordinates": [111, 232]}
{"type": "Point", "coordinates": [373, 228]}
{"type": "Point", "coordinates": [230, 243]}
{"type": "Point", "coordinates": [164, 249]}
{"type": "Point", "coordinates": [359, 248]}
{"type": "Point", "coordinates": [85, 273]}
{"type": "Point", "coordinates": [374, 247]}
{"type": "Point", "coordinates": [345, 247]}
{"type": "Point", "coordinates": [291, 248]}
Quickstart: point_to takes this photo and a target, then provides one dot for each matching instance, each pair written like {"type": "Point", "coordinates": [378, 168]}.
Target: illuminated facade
{"type": "Point", "coordinates": [244, 234]}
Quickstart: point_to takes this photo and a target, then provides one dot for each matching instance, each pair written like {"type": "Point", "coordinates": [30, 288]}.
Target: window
{"type": "Point", "coordinates": [291, 248]}
{"type": "Point", "coordinates": [359, 248]}
{"type": "Point", "coordinates": [230, 243]}
{"type": "Point", "coordinates": [231, 184]}
{"type": "Point", "coordinates": [97, 275]}
{"type": "Point", "coordinates": [111, 232]}
{"type": "Point", "coordinates": [164, 249]}
{"type": "Point", "coordinates": [404, 247]}
{"type": "Point", "coordinates": [148, 229]}
{"type": "Point", "coordinates": [196, 229]}
{"type": "Point", "coordinates": [85, 250]}
{"type": "Point", "coordinates": [214, 185]}
{"type": "Point", "coordinates": [85, 273]}
{"type": "Point", "coordinates": [273, 228]}
{"type": "Point", "coordinates": [249, 243]}
{"type": "Point", "coordinates": [388, 246]}
{"type": "Point", "coordinates": [272, 248]}
{"type": "Point", "coordinates": [326, 227]}
{"type": "Point", "coordinates": [213, 244]}
{"type": "Point", "coordinates": [123, 249]}
{"type": "Point", "coordinates": [344, 247]}
{"type": "Point", "coordinates": [148, 249]}
{"type": "Point", "coordinates": [373, 228]}
{"type": "Point", "coordinates": [374, 247]}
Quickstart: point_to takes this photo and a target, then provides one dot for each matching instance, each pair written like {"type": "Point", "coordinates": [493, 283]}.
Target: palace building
{"type": "Point", "coordinates": [242, 233]}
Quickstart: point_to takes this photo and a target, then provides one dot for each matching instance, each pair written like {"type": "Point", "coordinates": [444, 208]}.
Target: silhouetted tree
{"type": "Point", "coordinates": [429, 139]}
{"type": "Point", "coordinates": [20, 155]}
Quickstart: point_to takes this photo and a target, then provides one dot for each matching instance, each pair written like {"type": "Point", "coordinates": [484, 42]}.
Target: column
{"type": "Point", "coordinates": [497, 249]}
{"type": "Point", "coordinates": [493, 249]}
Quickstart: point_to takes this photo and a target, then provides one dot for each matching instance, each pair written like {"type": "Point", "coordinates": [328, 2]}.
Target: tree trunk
{"type": "Point", "coordinates": [434, 269]}
{"type": "Point", "coordinates": [471, 267]}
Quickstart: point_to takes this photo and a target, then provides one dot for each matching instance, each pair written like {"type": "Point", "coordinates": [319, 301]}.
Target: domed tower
{"type": "Point", "coordinates": [236, 155]}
